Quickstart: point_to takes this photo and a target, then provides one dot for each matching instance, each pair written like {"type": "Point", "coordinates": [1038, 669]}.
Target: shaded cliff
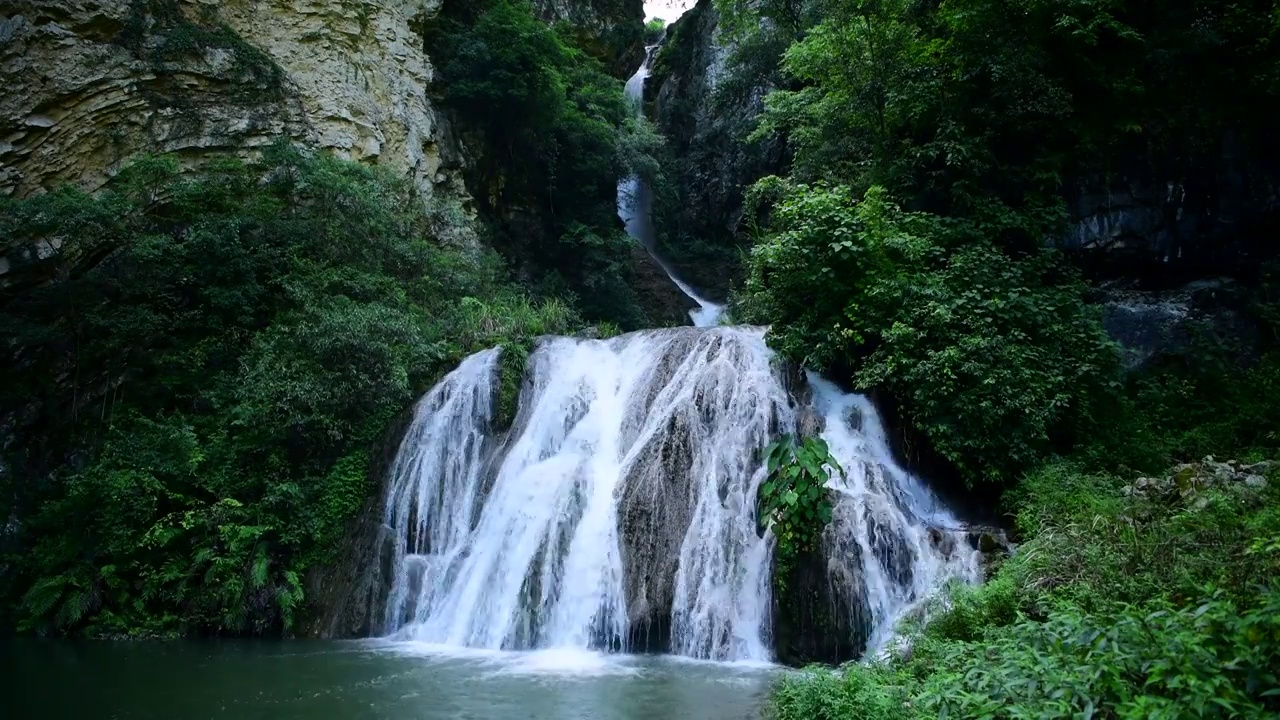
{"type": "Point", "coordinates": [610, 30]}
{"type": "Point", "coordinates": [705, 98]}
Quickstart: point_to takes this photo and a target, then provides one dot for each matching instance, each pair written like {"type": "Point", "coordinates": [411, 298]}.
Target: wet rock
{"type": "Point", "coordinates": [1149, 325]}
{"type": "Point", "coordinates": [654, 513]}
{"type": "Point", "coordinates": [1187, 482]}
{"type": "Point", "coordinates": [663, 303]}
{"type": "Point", "coordinates": [820, 609]}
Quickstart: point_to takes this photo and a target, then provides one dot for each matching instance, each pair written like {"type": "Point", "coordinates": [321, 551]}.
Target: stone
{"type": "Point", "coordinates": [1260, 468]}
{"type": "Point", "coordinates": [714, 165]}
{"type": "Point", "coordinates": [612, 30]}
{"type": "Point", "coordinates": [91, 91]}
{"type": "Point", "coordinates": [820, 608]}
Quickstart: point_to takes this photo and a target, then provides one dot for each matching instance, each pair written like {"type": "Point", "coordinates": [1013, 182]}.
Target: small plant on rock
{"type": "Point", "coordinates": [792, 500]}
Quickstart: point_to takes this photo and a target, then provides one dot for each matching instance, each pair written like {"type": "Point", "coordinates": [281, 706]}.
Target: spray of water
{"type": "Point", "coordinates": [624, 497]}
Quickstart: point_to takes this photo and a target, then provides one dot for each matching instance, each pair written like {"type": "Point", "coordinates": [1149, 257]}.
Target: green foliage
{"type": "Point", "coordinates": [793, 499]}
{"type": "Point", "coordinates": [1116, 605]}
{"type": "Point", "coordinates": [200, 409]}
{"type": "Point", "coordinates": [554, 134]}
{"type": "Point", "coordinates": [975, 115]}
{"type": "Point", "coordinates": [654, 29]}
{"type": "Point", "coordinates": [511, 366]}
{"type": "Point", "coordinates": [976, 118]}
{"type": "Point", "coordinates": [875, 692]}
{"type": "Point", "coordinates": [994, 356]}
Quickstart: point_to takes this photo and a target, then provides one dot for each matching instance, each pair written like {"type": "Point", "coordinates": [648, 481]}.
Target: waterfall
{"type": "Point", "coordinates": [622, 501]}
{"type": "Point", "coordinates": [635, 207]}
{"type": "Point", "coordinates": [891, 540]}
{"type": "Point", "coordinates": [618, 512]}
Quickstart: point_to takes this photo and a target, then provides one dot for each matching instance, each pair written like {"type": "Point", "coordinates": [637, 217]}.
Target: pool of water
{"type": "Point", "coordinates": [319, 680]}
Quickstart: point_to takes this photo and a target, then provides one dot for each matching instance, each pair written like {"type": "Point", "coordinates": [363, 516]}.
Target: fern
{"type": "Point", "coordinates": [289, 598]}
{"type": "Point", "coordinates": [43, 597]}
{"type": "Point", "coordinates": [258, 573]}
{"type": "Point", "coordinates": [74, 607]}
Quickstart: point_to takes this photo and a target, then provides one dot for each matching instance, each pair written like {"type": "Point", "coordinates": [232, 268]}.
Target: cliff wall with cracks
{"type": "Point", "coordinates": [93, 82]}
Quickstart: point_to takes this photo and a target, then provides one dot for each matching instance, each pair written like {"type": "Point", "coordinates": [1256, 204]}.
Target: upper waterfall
{"type": "Point", "coordinates": [619, 511]}
{"type": "Point", "coordinates": [635, 207]}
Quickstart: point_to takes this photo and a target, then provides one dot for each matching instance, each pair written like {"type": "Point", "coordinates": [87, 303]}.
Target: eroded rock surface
{"type": "Point", "coordinates": [90, 83]}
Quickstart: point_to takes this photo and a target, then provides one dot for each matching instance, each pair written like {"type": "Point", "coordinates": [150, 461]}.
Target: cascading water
{"type": "Point", "coordinates": [635, 207]}
{"type": "Point", "coordinates": [891, 541]}
{"type": "Point", "coordinates": [623, 498]}
{"type": "Point", "coordinates": [632, 466]}
{"type": "Point", "coordinates": [618, 511]}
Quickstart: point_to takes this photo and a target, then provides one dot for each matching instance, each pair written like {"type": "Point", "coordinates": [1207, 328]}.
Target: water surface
{"type": "Point", "coordinates": [358, 680]}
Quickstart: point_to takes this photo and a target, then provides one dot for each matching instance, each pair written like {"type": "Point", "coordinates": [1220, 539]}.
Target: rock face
{"type": "Point", "coordinates": [611, 30]}
{"type": "Point", "coordinates": [821, 613]}
{"type": "Point", "coordinates": [97, 81]}
{"type": "Point", "coordinates": [1187, 483]}
{"type": "Point", "coordinates": [1216, 216]}
{"type": "Point", "coordinates": [706, 121]}
{"type": "Point", "coordinates": [663, 302]}
{"type": "Point", "coordinates": [1148, 325]}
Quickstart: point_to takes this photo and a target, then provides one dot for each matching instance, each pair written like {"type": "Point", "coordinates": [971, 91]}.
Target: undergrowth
{"type": "Point", "coordinates": [1115, 606]}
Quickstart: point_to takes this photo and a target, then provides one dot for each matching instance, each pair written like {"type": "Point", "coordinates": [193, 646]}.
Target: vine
{"type": "Point", "coordinates": [793, 501]}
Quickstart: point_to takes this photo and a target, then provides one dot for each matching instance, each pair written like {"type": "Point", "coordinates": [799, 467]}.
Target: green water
{"type": "Point", "coordinates": [357, 680]}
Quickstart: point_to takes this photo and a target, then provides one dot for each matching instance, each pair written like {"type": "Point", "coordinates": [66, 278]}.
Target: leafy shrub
{"type": "Point", "coordinates": [995, 358]}
{"type": "Point", "coordinates": [792, 500]}
{"type": "Point", "coordinates": [654, 29]}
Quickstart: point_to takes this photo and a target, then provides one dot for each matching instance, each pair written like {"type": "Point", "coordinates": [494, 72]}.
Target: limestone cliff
{"type": "Point", "coordinates": [90, 83]}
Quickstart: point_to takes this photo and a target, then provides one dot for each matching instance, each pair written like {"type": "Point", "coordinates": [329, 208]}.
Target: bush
{"type": "Point", "coordinates": [1118, 604]}
{"type": "Point", "coordinates": [199, 411]}
{"type": "Point", "coordinates": [995, 357]}
{"type": "Point", "coordinates": [654, 29]}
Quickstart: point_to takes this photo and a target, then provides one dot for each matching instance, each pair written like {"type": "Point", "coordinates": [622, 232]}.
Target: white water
{"type": "Point", "coordinates": [635, 207]}
{"type": "Point", "coordinates": [622, 501]}
{"type": "Point", "coordinates": [541, 566]}
{"type": "Point", "coordinates": [628, 454]}
{"type": "Point", "coordinates": [907, 542]}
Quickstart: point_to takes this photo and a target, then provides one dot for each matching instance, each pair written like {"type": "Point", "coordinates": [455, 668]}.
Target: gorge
{"type": "Point", "coordinates": [612, 359]}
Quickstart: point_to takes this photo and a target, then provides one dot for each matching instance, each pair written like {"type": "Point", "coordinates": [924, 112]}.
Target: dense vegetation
{"type": "Point", "coordinates": [910, 250]}
{"type": "Point", "coordinates": [1134, 601]}
{"type": "Point", "coordinates": [196, 415]}
{"type": "Point", "coordinates": [201, 379]}
{"type": "Point", "coordinates": [933, 148]}
{"type": "Point", "coordinates": [553, 132]}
